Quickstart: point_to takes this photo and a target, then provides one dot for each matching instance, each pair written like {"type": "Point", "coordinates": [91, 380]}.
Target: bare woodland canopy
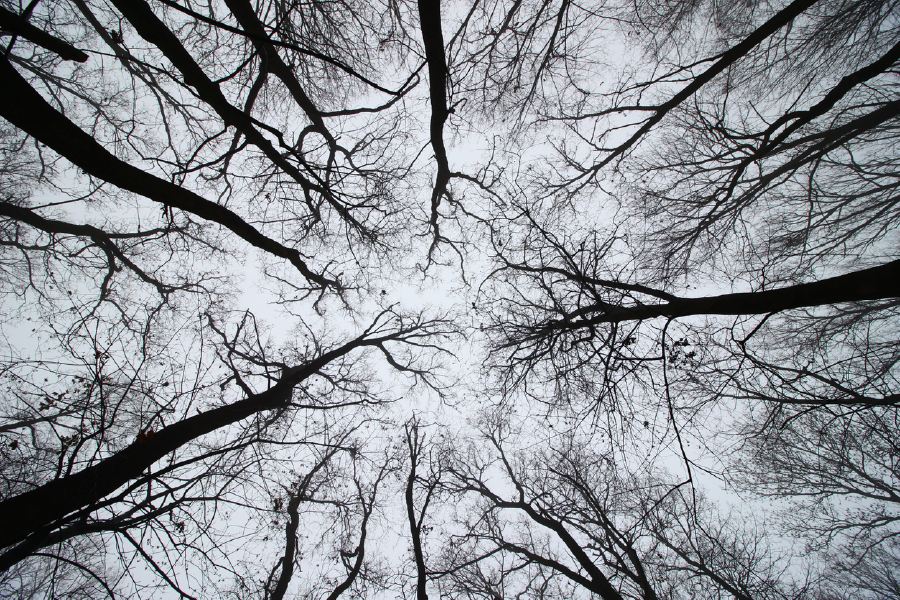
{"type": "Point", "coordinates": [552, 299]}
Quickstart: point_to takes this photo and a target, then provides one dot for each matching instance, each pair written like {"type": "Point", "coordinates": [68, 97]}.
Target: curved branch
{"type": "Point", "coordinates": [24, 107]}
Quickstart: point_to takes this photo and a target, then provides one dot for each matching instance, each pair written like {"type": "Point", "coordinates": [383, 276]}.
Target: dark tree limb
{"type": "Point", "coordinates": [33, 513]}
{"type": "Point", "coordinates": [414, 445]}
{"type": "Point", "coordinates": [821, 144]}
{"type": "Point", "coordinates": [598, 582]}
{"type": "Point", "coordinates": [792, 121]}
{"type": "Point", "coordinates": [243, 11]}
{"type": "Point", "coordinates": [15, 24]}
{"type": "Point", "coordinates": [360, 551]}
{"type": "Point", "coordinates": [701, 567]}
{"type": "Point", "coordinates": [101, 238]}
{"type": "Point", "coordinates": [433, 40]}
{"type": "Point", "coordinates": [290, 529]}
{"type": "Point", "coordinates": [557, 566]}
{"type": "Point", "coordinates": [587, 490]}
{"type": "Point", "coordinates": [80, 566]}
{"type": "Point", "coordinates": [875, 283]}
{"type": "Point", "coordinates": [154, 31]}
{"type": "Point", "coordinates": [305, 51]}
{"type": "Point", "coordinates": [24, 107]}
{"type": "Point", "coordinates": [729, 57]}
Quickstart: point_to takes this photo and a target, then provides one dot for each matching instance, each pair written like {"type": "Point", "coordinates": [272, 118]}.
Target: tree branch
{"type": "Point", "coordinates": [24, 107]}
{"type": "Point", "coordinates": [15, 24]}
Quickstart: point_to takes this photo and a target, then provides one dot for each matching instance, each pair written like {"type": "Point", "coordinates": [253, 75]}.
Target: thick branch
{"type": "Point", "coordinates": [875, 283]}
{"type": "Point", "coordinates": [15, 24]}
{"type": "Point", "coordinates": [415, 530]}
{"type": "Point", "coordinates": [243, 11]}
{"type": "Point", "coordinates": [290, 530]}
{"type": "Point", "coordinates": [152, 29]}
{"type": "Point", "coordinates": [33, 512]}
{"type": "Point", "coordinates": [294, 47]}
{"type": "Point", "coordinates": [100, 237]}
{"type": "Point", "coordinates": [549, 563]}
{"type": "Point", "coordinates": [799, 118]}
{"type": "Point", "coordinates": [600, 584]}
{"type": "Point", "coordinates": [701, 567]}
{"type": "Point", "coordinates": [25, 108]}
{"type": "Point", "coordinates": [360, 551]}
{"type": "Point", "coordinates": [433, 39]}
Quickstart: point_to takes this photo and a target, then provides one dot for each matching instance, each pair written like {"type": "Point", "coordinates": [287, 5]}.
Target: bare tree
{"type": "Point", "coordinates": [839, 468]}
{"type": "Point", "coordinates": [681, 218]}
{"type": "Point", "coordinates": [873, 575]}
{"type": "Point", "coordinates": [595, 525]}
{"type": "Point", "coordinates": [711, 555]}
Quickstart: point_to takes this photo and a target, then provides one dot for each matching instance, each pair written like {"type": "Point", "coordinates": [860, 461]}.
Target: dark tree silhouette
{"type": "Point", "coordinates": [656, 247]}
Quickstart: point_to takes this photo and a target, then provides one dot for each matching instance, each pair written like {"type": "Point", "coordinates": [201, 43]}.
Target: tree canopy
{"type": "Point", "coordinates": [465, 299]}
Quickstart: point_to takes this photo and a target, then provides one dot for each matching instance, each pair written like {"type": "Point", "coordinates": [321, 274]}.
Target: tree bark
{"type": "Point", "coordinates": [415, 529]}
{"type": "Point", "coordinates": [243, 11]}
